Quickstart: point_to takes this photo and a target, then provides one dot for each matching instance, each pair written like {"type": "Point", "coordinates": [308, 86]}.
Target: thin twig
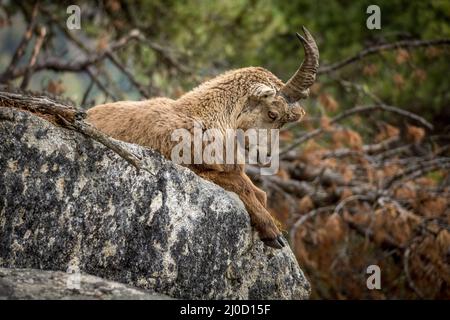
{"type": "Point", "coordinates": [56, 64]}
{"type": "Point", "coordinates": [417, 170]}
{"type": "Point", "coordinates": [350, 112]}
{"type": "Point", "coordinates": [341, 205]}
{"type": "Point", "coordinates": [91, 132]}
{"type": "Point", "coordinates": [303, 218]}
{"type": "Point", "coordinates": [100, 85]}
{"type": "Point", "coordinates": [7, 74]}
{"type": "Point", "coordinates": [87, 92]}
{"type": "Point", "coordinates": [366, 149]}
{"type": "Point", "coordinates": [34, 55]}
{"type": "Point", "coordinates": [384, 47]}
{"type": "Point", "coordinates": [411, 283]}
{"type": "Point", "coordinates": [142, 90]}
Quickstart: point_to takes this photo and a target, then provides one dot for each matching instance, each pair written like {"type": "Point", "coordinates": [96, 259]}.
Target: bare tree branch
{"type": "Point", "coordinates": [366, 149]}
{"type": "Point", "coordinates": [417, 170]}
{"type": "Point", "coordinates": [72, 118]}
{"type": "Point", "coordinates": [100, 85]}
{"type": "Point", "coordinates": [7, 74]}
{"type": "Point", "coordinates": [412, 285]}
{"type": "Point", "coordinates": [56, 64]}
{"type": "Point", "coordinates": [34, 55]}
{"type": "Point", "coordinates": [143, 91]}
{"type": "Point", "coordinates": [87, 92]}
{"type": "Point", "coordinates": [303, 218]}
{"type": "Point", "coordinates": [384, 47]}
{"type": "Point", "coordinates": [354, 111]}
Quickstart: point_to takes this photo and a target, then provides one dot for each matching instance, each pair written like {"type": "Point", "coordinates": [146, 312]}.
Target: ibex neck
{"type": "Point", "coordinates": [221, 99]}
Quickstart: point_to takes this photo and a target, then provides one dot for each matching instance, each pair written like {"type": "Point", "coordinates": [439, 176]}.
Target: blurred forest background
{"type": "Point", "coordinates": [364, 178]}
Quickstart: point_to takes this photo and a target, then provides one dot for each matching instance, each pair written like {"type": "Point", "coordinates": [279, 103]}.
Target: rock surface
{"type": "Point", "coordinates": [56, 285]}
{"type": "Point", "coordinates": [66, 201]}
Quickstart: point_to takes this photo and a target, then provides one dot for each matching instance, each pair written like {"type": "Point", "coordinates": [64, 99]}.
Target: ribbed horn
{"type": "Point", "coordinates": [298, 85]}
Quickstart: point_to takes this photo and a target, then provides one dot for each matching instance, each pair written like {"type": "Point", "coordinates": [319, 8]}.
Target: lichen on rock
{"type": "Point", "coordinates": [32, 284]}
{"type": "Point", "coordinates": [68, 201]}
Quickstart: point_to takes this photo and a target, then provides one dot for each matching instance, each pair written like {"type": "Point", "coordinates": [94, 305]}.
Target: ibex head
{"type": "Point", "coordinates": [271, 108]}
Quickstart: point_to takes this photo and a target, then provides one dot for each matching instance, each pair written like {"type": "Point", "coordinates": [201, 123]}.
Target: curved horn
{"type": "Point", "coordinates": [297, 87]}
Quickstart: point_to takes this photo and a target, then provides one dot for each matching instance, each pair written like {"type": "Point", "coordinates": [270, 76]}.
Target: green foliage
{"type": "Point", "coordinates": [212, 36]}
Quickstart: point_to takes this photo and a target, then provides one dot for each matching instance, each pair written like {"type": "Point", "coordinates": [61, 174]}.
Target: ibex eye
{"type": "Point", "coordinates": [272, 115]}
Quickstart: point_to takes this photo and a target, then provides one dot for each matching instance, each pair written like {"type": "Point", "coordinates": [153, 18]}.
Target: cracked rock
{"type": "Point", "coordinates": [67, 201]}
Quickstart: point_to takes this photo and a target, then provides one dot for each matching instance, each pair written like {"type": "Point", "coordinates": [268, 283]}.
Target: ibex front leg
{"type": "Point", "coordinates": [261, 219]}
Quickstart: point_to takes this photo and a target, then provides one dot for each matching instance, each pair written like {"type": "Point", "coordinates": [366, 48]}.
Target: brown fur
{"type": "Point", "coordinates": [238, 99]}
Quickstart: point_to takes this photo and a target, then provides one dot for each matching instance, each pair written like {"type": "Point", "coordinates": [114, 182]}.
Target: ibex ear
{"type": "Point", "coordinates": [263, 91]}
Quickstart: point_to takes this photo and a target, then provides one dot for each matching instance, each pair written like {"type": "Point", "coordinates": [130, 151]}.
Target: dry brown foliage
{"type": "Point", "coordinates": [361, 204]}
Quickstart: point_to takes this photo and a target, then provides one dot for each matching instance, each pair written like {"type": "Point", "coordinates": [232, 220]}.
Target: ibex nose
{"type": "Point", "coordinates": [297, 113]}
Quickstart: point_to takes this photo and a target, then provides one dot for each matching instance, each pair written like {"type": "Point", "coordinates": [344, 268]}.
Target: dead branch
{"type": "Point", "coordinates": [351, 112]}
{"type": "Point", "coordinates": [100, 85]}
{"type": "Point", "coordinates": [40, 105]}
{"type": "Point", "coordinates": [109, 54]}
{"type": "Point", "coordinates": [387, 242]}
{"type": "Point", "coordinates": [56, 64]}
{"type": "Point", "coordinates": [91, 132]}
{"type": "Point", "coordinates": [7, 74]}
{"type": "Point", "coordinates": [87, 92]}
{"type": "Point", "coordinates": [366, 149]}
{"type": "Point", "coordinates": [142, 90]}
{"type": "Point", "coordinates": [303, 218]}
{"type": "Point", "coordinates": [341, 205]}
{"type": "Point", "coordinates": [34, 55]}
{"type": "Point", "coordinates": [304, 172]}
{"type": "Point", "coordinates": [384, 47]}
{"type": "Point", "coordinates": [417, 170]}
{"type": "Point", "coordinates": [71, 118]}
{"type": "Point", "coordinates": [411, 283]}
{"type": "Point", "coordinates": [162, 52]}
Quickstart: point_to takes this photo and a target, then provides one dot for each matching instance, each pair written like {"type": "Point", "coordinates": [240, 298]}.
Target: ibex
{"type": "Point", "coordinates": [239, 99]}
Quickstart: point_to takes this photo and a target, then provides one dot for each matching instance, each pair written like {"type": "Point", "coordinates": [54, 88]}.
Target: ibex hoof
{"type": "Point", "coordinates": [276, 243]}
